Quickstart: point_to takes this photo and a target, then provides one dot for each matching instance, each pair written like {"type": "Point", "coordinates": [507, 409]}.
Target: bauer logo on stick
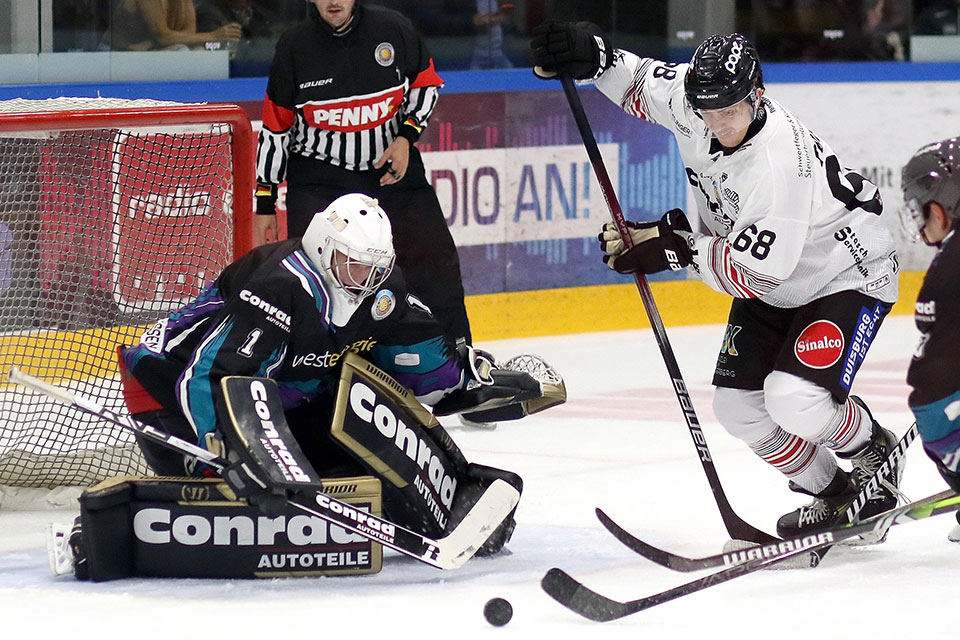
{"type": "Point", "coordinates": [820, 345]}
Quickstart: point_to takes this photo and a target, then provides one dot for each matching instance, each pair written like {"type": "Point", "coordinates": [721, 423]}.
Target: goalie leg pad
{"type": "Point", "coordinates": [195, 528]}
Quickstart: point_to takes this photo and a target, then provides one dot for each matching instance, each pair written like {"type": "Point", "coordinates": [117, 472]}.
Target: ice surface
{"type": "Point", "coordinates": [619, 443]}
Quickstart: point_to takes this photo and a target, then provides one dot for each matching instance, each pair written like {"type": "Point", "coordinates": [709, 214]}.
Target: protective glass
{"type": "Point", "coordinates": [358, 273]}
{"type": "Point", "coordinates": [912, 219]}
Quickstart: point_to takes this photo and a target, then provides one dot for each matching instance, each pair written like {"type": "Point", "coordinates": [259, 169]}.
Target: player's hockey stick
{"type": "Point", "coordinates": [590, 604]}
{"type": "Point", "coordinates": [448, 552]}
{"type": "Point", "coordinates": [685, 564]}
{"type": "Point", "coordinates": [736, 527]}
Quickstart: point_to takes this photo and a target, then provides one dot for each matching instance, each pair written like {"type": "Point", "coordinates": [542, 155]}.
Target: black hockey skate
{"type": "Point", "coordinates": [828, 509]}
{"type": "Point", "coordinates": [867, 460]}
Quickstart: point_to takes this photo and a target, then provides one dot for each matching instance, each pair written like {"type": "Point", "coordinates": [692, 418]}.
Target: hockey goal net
{"type": "Point", "coordinates": [112, 214]}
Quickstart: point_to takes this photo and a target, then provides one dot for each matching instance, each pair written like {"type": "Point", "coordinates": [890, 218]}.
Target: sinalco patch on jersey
{"type": "Point", "coordinates": [383, 304]}
{"type": "Point", "coordinates": [820, 345]}
{"type": "Point", "coordinates": [385, 54]}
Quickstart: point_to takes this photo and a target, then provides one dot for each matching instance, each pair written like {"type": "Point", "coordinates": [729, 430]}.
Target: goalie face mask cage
{"type": "Point", "coordinates": [351, 243]}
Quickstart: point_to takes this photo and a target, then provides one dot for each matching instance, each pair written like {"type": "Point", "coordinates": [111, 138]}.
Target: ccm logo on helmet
{"type": "Point", "coordinates": [820, 345]}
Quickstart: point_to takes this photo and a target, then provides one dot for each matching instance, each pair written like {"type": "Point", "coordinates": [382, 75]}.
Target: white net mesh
{"type": "Point", "coordinates": [102, 230]}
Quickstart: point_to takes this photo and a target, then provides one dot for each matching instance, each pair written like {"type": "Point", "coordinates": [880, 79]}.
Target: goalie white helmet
{"type": "Point", "coordinates": [351, 243]}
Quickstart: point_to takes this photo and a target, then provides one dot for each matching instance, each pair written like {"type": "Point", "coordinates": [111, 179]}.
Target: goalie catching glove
{"type": "Point", "coordinates": [654, 246]}
{"type": "Point", "coordinates": [523, 385]}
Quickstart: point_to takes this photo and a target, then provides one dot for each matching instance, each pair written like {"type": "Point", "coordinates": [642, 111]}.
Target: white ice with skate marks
{"type": "Point", "coordinates": [619, 443]}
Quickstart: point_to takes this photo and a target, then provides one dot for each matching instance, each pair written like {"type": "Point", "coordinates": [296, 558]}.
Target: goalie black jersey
{"type": "Point", "coordinates": [269, 315]}
{"type": "Point", "coordinates": [934, 373]}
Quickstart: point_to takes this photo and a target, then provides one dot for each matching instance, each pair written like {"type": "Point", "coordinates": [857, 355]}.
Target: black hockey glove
{"type": "Point", "coordinates": [575, 49]}
{"type": "Point", "coordinates": [266, 199]}
{"type": "Point", "coordinates": [657, 246]}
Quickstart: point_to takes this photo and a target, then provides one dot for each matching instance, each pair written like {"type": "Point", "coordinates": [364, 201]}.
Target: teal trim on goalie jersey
{"type": "Point", "coordinates": [431, 355]}
{"type": "Point", "coordinates": [932, 419]}
{"type": "Point", "coordinates": [199, 402]}
{"type": "Point", "coordinates": [299, 264]}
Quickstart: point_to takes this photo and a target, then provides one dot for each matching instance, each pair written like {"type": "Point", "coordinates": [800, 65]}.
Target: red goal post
{"type": "Point", "coordinates": [113, 213]}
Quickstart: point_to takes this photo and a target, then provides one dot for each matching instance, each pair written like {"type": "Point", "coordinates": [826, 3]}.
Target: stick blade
{"type": "Point", "coordinates": [560, 586]}
{"type": "Point", "coordinates": [648, 551]}
{"type": "Point", "coordinates": [491, 509]}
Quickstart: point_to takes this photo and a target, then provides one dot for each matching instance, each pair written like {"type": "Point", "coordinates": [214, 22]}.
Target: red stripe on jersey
{"type": "Point", "coordinates": [427, 78]}
{"type": "Point", "coordinates": [276, 118]}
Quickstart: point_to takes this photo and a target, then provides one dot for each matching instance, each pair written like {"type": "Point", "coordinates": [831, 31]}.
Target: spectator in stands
{"type": "Point", "coordinates": [489, 20]}
{"type": "Point", "coordinates": [142, 25]}
{"type": "Point", "coordinates": [480, 21]}
{"type": "Point", "coordinates": [260, 22]}
{"type": "Point", "coordinates": [937, 17]}
{"type": "Point", "coordinates": [254, 18]}
{"type": "Point", "coordinates": [881, 32]}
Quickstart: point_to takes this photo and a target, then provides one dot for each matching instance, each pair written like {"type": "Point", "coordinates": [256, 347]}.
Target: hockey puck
{"type": "Point", "coordinates": [497, 611]}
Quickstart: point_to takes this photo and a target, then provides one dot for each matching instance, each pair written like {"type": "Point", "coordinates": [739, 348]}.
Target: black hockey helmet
{"type": "Point", "coordinates": [723, 71]}
{"type": "Point", "coordinates": [931, 175]}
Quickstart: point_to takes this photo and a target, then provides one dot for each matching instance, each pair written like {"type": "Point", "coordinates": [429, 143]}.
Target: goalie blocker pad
{"type": "Point", "coordinates": [267, 459]}
{"type": "Point", "coordinates": [398, 440]}
{"type": "Point", "coordinates": [195, 528]}
{"type": "Point", "coordinates": [428, 485]}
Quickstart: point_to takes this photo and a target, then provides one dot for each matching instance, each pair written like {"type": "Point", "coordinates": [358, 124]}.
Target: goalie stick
{"type": "Point", "coordinates": [736, 526]}
{"type": "Point", "coordinates": [599, 608]}
{"type": "Point", "coordinates": [448, 552]}
{"type": "Point", "coordinates": [684, 564]}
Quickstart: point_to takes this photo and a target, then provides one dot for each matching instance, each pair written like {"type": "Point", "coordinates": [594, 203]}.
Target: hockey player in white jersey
{"type": "Point", "coordinates": [796, 238]}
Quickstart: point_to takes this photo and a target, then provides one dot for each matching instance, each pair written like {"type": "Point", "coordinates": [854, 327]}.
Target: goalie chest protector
{"type": "Point", "coordinates": [194, 528]}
